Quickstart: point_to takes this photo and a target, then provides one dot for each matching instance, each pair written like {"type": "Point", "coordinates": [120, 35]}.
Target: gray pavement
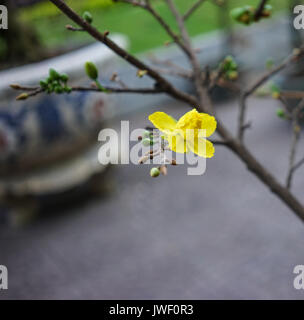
{"type": "Point", "coordinates": [222, 235]}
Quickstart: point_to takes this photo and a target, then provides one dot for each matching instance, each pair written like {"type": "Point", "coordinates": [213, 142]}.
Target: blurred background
{"type": "Point", "coordinates": [71, 228]}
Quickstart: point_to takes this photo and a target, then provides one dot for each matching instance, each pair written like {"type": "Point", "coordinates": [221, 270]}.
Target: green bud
{"type": "Point", "coordinates": [275, 90]}
{"type": "Point", "coordinates": [54, 75]}
{"type": "Point", "coordinates": [146, 134]}
{"type": "Point", "coordinates": [43, 84]}
{"type": "Point", "coordinates": [237, 13]}
{"type": "Point", "coordinates": [58, 89]}
{"type": "Point", "coordinates": [22, 96]}
{"type": "Point", "coordinates": [243, 15]}
{"type": "Point", "coordinates": [87, 16]}
{"type": "Point", "coordinates": [91, 70]}
{"type": "Point", "coordinates": [232, 75]}
{"type": "Point", "coordinates": [67, 89]}
{"type": "Point", "coordinates": [228, 64]}
{"type": "Point", "coordinates": [267, 11]}
{"type": "Point", "coordinates": [154, 172]}
{"type": "Point", "coordinates": [64, 77]}
{"type": "Point", "coordinates": [146, 142]}
{"type": "Point", "coordinates": [280, 113]}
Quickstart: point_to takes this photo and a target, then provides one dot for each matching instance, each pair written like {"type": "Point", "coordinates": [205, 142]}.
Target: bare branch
{"type": "Point", "coordinates": [162, 82]}
{"type": "Point", "coordinates": [175, 70]}
{"type": "Point", "coordinates": [202, 92]}
{"type": "Point", "coordinates": [35, 90]}
{"type": "Point", "coordinates": [147, 6]}
{"type": "Point", "coordinates": [298, 164]}
{"type": "Point", "coordinates": [71, 28]}
{"type": "Point", "coordinates": [195, 6]}
{"type": "Point", "coordinates": [295, 139]}
{"type": "Point", "coordinates": [294, 57]}
{"type": "Point", "coordinates": [259, 11]}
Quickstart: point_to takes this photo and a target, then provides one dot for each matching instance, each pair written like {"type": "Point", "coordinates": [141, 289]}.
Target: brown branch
{"type": "Point", "coordinates": [259, 11]}
{"type": "Point", "coordinates": [168, 63]}
{"type": "Point", "coordinates": [238, 148]}
{"type": "Point", "coordinates": [191, 10]}
{"type": "Point", "coordinates": [294, 57]}
{"type": "Point", "coordinates": [175, 70]}
{"type": "Point", "coordinates": [296, 130]}
{"type": "Point", "coordinates": [162, 82]}
{"type": "Point", "coordinates": [36, 90]}
{"type": "Point", "coordinates": [202, 92]}
{"type": "Point", "coordinates": [292, 94]}
{"type": "Point", "coordinates": [147, 6]}
{"type": "Point", "coordinates": [218, 142]}
{"type": "Point", "coordinates": [298, 164]}
{"type": "Point", "coordinates": [71, 28]}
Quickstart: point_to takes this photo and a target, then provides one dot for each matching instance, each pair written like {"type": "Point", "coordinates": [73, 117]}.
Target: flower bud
{"type": "Point", "coordinates": [54, 75]}
{"type": "Point", "coordinates": [58, 89]}
{"type": "Point", "coordinates": [276, 95]}
{"type": "Point", "coordinates": [146, 142]}
{"type": "Point", "coordinates": [146, 134]}
{"type": "Point", "coordinates": [243, 15]}
{"type": "Point", "coordinates": [91, 70]}
{"type": "Point", "coordinates": [22, 96]}
{"type": "Point", "coordinates": [143, 159]}
{"type": "Point", "coordinates": [232, 75]}
{"type": "Point", "coordinates": [154, 172]}
{"type": "Point", "coordinates": [68, 89]}
{"type": "Point", "coordinates": [43, 84]}
{"type": "Point", "coordinates": [87, 16]}
{"type": "Point", "coordinates": [141, 73]}
{"type": "Point", "coordinates": [173, 162]}
{"type": "Point", "coordinates": [237, 13]}
{"type": "Point", "coordinates": [15, 86]}
{"type": "Point", "coordinates": [280, 113]}
{"type": "Point", "coordinates": [64, 77]}
{"type": "Point", "coordinates": [267, 11]}
{"type": "Point", "coordinates": [163, 170]}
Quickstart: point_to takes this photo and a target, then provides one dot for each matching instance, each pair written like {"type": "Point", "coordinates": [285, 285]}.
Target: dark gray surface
{"type": "Point", "coordinates": [220, 235]}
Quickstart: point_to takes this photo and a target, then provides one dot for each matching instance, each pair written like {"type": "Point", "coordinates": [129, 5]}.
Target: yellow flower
{"type": "Point", "coordinates": [188, 132]}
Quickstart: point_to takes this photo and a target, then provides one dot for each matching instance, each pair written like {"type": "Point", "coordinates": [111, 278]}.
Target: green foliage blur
{"type": "Point", "coordinates": [143, 31]}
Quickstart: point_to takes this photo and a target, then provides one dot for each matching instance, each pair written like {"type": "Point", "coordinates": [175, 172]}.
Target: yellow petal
{"type": "Point", "coordinates": [201, 147]}
{"type": "Point", "coordinates": [162, 121]}
{"type": "Point", "coordinates": [208, 124]}
{"type": "Point", "coordinates": [190, 120]}
{"type": "Point", "coordinates": [177, 143]}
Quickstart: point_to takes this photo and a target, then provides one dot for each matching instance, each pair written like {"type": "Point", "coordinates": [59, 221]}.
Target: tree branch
{"type": "Point", "coordinates": [296, 130]}
{"type": "Point", "coordinates": [259, 10]}
{"type": "Point", "coordinates": [37, 90]}
{"type": "Point", "coordinates": [294, 57]}
{"type": "Point", "coordinates": [166, 86]}
{"type": "Point", "coordinates": [234, 144]}
{"type": "Point", "coordinates": [191, 10]}
{"type": "Point", "coordinates": [147, 6]}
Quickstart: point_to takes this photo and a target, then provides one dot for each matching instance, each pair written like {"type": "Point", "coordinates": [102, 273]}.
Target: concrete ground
{"type": "Point", "coordinates": [222, 235]}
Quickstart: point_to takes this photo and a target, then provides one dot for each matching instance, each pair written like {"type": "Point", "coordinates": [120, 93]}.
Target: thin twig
{"type": "Point", "coordinates": [71, 28]}
{"type": "Point", "coordinates": [296, 130]}
{"type": "Point", "coordinates": [202, 92]}
{"type": "Point", "coordinates": [218, 142]}
{"type": "Point", "coordinates": [147, 6]}
{"type": "Point", "coordinates": [175, 69]}
{"type": "Point", "coordinates": [298, 164]}
{"type": "Point", "coordinates": [294, 57]}
{"type": "Point", "coordinates": [195, 6]}
{"type": "Point", "coordinates": [259, 11]}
